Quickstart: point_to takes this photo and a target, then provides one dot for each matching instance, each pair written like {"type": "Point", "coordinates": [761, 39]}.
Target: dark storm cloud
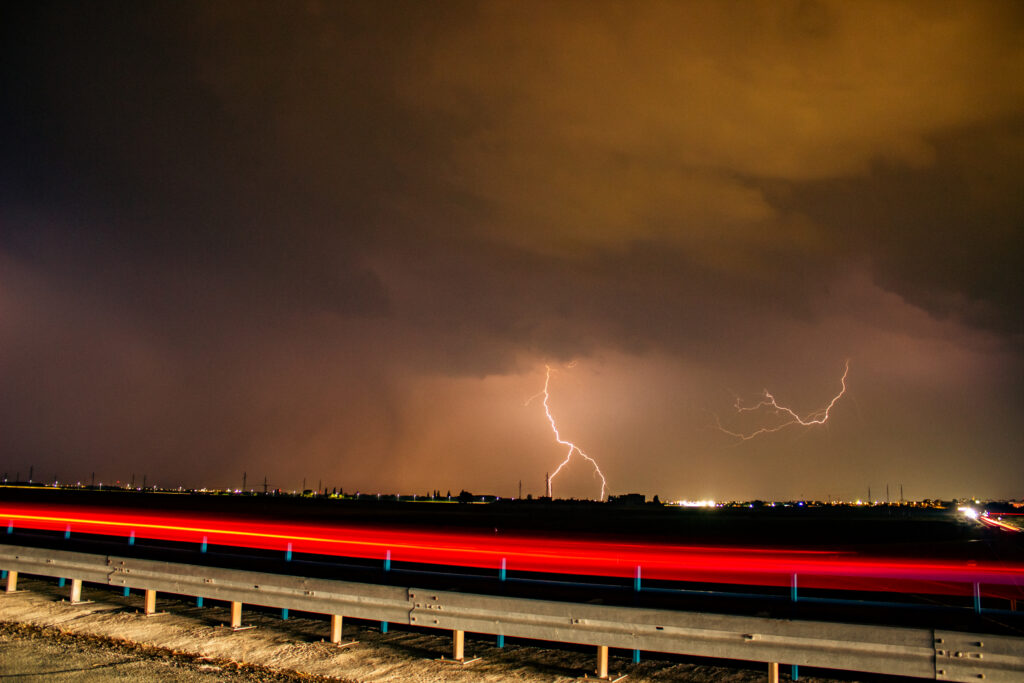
{"type": "Point", "coordinates": [949, 236]}
{"type": "Point", "coordinates": [239, 229]}
{"type": "Point", "coordinates": [598, 129]}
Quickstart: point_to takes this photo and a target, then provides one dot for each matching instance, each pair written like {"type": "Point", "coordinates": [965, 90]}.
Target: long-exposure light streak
{"type": "Point", "coordinates": [826, 569]}
{"type": "Point", "coordinates": [573, 448]}
{"type": "Point", "coordinates": [790, 417]}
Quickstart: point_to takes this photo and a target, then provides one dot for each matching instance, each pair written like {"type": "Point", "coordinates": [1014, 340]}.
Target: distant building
{"type": "Point", "coordinates": [628, 499]}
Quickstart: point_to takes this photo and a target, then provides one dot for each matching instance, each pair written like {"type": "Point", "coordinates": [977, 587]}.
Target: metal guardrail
{"type": "Point", "coordinates": [917, 652]}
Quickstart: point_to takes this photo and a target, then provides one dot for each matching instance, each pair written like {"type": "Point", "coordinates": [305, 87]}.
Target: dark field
{"type": "Point", "coordinates": [882, 530]}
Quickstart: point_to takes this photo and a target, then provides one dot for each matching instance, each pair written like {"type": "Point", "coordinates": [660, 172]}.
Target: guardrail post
{"type": "Point", "coordinates": [336, 623]}
{"type": "Point", "coordinates": [636, 589]}
{"type": "Point", "coordinates": [236, 618]}
{"type": "Point", "coordinates": [602, 661]}
{"type": "Point", "coordinates": [61, 582]}
{"type": "Point", "coordinates": [501, 577]}
{"type": "Point", "coordinates": [150, 607]}
{"type": "Point", "coordinates": [794, 673]}
{"type": "Point", "coordinates": [459, 646]}
{"type": "Point", "coordinates": [131, 541]}
{"type": "Point", "coordinates": [76, 591]}
{"type": "Point", "coordinates": [387, 568]}
{"type": "Point", "coordinates": [12, 581]}
{"type": "Point", "coordinates": [773, 672]}
{"type": "Point", "coordinates": [202, 549]}
{"type": "Point", "coordinates": [287, 558]}
{"type": "Point", "coordinates": [977, 598]}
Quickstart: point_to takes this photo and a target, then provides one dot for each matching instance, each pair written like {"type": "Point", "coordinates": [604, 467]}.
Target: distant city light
{"type": "Point", "coordinates": [695, 503]}
{"type": "Point", "coordinates": [968, 512]}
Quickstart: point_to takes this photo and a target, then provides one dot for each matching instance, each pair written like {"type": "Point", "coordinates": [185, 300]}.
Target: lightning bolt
{"type": "Point", "coordinates": [790, 417]}
{"type": "Point", "coordinates": [573, 448]}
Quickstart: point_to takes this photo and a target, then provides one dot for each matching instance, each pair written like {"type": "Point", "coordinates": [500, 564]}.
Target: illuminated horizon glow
{"type": "Point", "coordinates": [816, 417]}
{"type": "Point", "coordinates": [558, 437]}
{"type": "Point", "coordinates": [827, 569]}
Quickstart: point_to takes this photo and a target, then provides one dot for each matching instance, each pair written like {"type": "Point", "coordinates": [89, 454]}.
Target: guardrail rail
{"type": "Point", "coordinates": [917, 652]}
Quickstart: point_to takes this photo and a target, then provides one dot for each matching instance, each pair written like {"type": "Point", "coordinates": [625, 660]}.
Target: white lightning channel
{"type": "Point", "coordinates": [573, 448]}
{"type": "Point", "coordinates": [768, 402]}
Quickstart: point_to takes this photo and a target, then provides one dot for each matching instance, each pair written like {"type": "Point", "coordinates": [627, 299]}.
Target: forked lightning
{"type": "Point", "coordinates": [573, 448]}
{"type": "Point", "coordinates": [790, 417]}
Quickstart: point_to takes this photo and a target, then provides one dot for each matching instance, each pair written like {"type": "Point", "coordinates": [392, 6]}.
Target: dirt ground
{"type": "Point", "coordinates": [109, 639]}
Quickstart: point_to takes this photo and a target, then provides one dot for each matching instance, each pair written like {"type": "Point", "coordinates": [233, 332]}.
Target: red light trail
{"type": "Point", "coordinates": [825, 569]}
{"type": "Point", "coordinates": [996, 523]}
{"type": "Point", "coordinates": [790, 417]}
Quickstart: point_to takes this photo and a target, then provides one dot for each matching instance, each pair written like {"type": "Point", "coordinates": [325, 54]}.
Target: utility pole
{"type": "Point", "coordinates": [869, 495]}
{"type": "Point", "coordinates": [244, 475]}
{"type": "Point", "coordinates": [520, 489]}
{"type": "Point", "coordinates": [144, 477]}
{"type": "Point", "coordinates": [547, 483]}
{"type": "Point", "coordinates": [93, 480]}
{"type": "Point", "coordinates": [901, 494]}
{"type": "Point", "coordinates": [886, 494]}
{"type": "Point", "coordinates": [264, 484]}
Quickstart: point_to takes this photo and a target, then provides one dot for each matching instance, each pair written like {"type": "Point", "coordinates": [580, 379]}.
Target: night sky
{"type": "Point", "coordinates": [340, 241]}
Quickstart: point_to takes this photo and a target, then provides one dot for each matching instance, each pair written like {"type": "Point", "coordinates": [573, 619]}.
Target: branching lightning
{"type": "Point", "coordinates": [573, 448]}
{"type": "Point", "coordinates": [789, 416]}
